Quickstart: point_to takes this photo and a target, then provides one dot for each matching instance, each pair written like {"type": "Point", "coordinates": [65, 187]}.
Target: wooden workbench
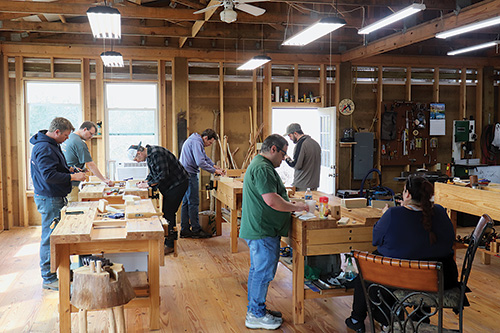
{"type": "Point", "coordinates": [457, 198]}
{"type": "Point", "coordinates": [319, 237]}
{"type": "Point", "coordinates": [93, 191]}
{"type": "Point", "coordinates": [229, 192]}
{"type": "Point", "coordinates": [86, 233]}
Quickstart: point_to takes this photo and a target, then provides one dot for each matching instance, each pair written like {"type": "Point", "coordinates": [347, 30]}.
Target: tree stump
{"type": "Point", "coordinates": [96, 289]}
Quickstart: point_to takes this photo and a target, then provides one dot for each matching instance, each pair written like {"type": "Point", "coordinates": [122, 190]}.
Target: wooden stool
{"type": "Point", "coordinates": [95, 288]}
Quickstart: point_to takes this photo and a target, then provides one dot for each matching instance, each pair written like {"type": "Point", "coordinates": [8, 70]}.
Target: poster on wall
{"type": "Point", "coordinates": [437, 119]}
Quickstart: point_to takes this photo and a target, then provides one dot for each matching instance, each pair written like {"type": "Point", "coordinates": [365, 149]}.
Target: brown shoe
{"type": "Point", "coordinates": [168, 250]}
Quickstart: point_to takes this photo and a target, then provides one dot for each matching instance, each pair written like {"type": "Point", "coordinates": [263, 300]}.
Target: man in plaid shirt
{"type": "Point", "coordinates": [165, 174]}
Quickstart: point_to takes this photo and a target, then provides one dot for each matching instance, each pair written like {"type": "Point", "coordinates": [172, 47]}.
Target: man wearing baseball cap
{"type": "Point", "coordinates": [168, 176]}
{"type": "Point", "coordinates": [306, 159]}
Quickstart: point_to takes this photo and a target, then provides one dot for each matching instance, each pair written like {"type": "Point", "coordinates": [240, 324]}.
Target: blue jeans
{"type": "Point", "coordinates": [264, 257]}
{"type": "Point", "coordinates": [50, 208]}
{"type": "Point", "coordinates": [191, 205]}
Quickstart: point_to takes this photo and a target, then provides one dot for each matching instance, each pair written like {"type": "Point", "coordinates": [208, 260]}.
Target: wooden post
{"type": "Point", "coordinates": [221, 114]}
{"type": "Point", "coordinates": [380, 94]}
{"type": "Point", "coordinates": [345, 155]}
{"type": "Point", "coordinates": [435, 86]}
{"type": "Point", "coordinates": [85, 77]}
{"type": "Point", "coordinates": [165, 126]}
{"type": "Point", "coordinates": [180, 97]}
{"type": "Point", "coordinates": [336, 101]}
{"type": "Point", "coordinates": [408, 84]}
{"type": "Point", "coordinates": [267, 109]}
{"type": "Point", "coordinates": [295, 83]}
{"type": "Point", "coordinates": [21, 145]}
{"type": "Point", "coordinates": [463, 94]}
{"type": "Point", "coordinates": [155, 246]}
{"type": "Point", "coordinates": [479, 111]}
{"type": "Point", "coordinates": [99, 100]}
{"type": "Point", "coordinates": [322, 84]}
{"type": "Point", "coordinates": [6, 151]}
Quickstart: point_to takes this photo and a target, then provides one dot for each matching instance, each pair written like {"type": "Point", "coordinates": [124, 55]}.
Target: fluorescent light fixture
{"type": "Point", "coordinates": [469, 27]}
{"type": "Point", "coordinates": [253, 63]}
{"type": "Point", "coordinates": [317, 30]}
{"type": "Point", "coordinates": [474, 48]}
{"type": "Point", "coordinates": [397, 16]}
{"type": "Point", "coordinates": [105, 22]}
{"type": "Point", "coordinates": [112, 59]}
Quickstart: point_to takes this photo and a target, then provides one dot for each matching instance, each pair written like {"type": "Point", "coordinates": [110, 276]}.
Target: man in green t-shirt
{"type": "Point", "coordinates": [265, 218]}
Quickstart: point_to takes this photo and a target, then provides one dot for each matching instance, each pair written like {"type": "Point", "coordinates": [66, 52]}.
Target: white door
{"type": "Point", "coordinates": [327, 126]}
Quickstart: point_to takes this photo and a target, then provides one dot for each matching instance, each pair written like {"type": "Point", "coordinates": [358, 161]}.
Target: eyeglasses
{"type": "Point", "coordinates": [281, 150]}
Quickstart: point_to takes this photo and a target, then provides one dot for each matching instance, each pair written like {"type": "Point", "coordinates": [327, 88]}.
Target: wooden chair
{"type": "Point", "coordinates": [392, 286]}
{"type": "Point", "coordinates": [485, 223]}
{"type": "Point", "coordinates": [381, 276]}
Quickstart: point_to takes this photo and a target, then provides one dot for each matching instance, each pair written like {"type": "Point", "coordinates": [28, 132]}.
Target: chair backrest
{"type": "Point", "coordinates": [382, 279]}
{"type": "Point", "coordinates": [399, 273]}
{"type": "Point", "coordinates": [484, 223]}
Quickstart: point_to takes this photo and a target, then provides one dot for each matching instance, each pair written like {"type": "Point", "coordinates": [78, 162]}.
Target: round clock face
{"type": "Point", "coordinates": [346, 106]}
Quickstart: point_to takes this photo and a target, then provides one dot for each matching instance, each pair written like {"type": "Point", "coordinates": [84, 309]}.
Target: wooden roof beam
{"type": "Point", "coordinates": [141, 12]}
{"type": "Point", "coordinates": [480, 11]}
{"type": "Point", "coordinates": [199, 23]}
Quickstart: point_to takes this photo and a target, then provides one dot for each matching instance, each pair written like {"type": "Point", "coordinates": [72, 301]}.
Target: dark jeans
{"type": "Point", "coordinates": [171, 202]}
{"type": "Point", "coordinates": [191, 206]}
{"type": "Point", "coordinates": [359, 307]}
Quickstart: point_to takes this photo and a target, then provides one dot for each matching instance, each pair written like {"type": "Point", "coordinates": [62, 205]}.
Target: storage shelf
{"type": "Point", "coordinates": [347, 144]}
{"type": "Point", "coordinates": [97, 136]}
{"type": "Point", "coordinates": [296, 104]}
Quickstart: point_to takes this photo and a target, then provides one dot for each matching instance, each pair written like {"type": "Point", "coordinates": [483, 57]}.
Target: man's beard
{"type": "Point", "coordinates": [295, 140]}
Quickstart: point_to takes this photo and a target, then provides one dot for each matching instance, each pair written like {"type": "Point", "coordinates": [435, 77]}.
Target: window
{"type": "Point", "coordinates": [47, 100]}
{"type": "Point", "coordinates": [131, 117]}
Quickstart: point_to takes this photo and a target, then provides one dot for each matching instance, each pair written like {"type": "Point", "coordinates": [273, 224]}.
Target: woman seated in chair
{"type": "Point", "coordinates": [416, 230]}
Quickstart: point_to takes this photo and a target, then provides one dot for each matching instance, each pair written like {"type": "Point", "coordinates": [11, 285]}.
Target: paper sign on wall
{"type": "Point", "coordinates": [437, 119]}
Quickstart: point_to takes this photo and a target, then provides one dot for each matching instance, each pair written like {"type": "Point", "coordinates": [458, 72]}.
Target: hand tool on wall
{"type": "Point", "coordinates": [405, 139]}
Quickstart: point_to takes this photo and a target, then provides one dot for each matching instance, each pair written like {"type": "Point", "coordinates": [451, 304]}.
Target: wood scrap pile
{"type": "Point", "coordinates": [227, 155]}
{"type": "Point", "coordinates": [252, 149]}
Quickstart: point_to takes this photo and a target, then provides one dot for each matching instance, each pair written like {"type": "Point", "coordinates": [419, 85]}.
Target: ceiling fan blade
{"type": "Point", "coordinates": [206, 9]}
{"type": "Point", "coordinates": [255, 11]}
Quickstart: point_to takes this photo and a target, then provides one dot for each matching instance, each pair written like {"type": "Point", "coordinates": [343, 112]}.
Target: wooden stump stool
{"type": "Point", "coordinates": [95, 288]}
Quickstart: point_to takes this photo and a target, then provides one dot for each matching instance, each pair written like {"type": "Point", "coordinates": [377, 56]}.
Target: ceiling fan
{"type": "Point", "coordinates": [228, 14]}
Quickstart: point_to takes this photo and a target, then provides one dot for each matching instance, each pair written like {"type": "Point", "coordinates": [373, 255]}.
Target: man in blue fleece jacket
{"type": "Point", "coordinates": [52, 182]}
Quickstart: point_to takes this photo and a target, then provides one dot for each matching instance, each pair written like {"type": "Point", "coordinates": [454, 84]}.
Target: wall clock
{"type": "Point", "coordinates": [346, 106]}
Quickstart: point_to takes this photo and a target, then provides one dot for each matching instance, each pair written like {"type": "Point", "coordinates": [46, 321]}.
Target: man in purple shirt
{"type": "Point", "coordinates": [193, 157]}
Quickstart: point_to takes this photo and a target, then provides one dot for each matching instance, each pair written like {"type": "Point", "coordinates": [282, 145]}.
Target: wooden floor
{"type": "Point", "coordinates": [204, 290]}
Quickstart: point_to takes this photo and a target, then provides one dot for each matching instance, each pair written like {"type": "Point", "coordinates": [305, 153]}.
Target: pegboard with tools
{"type": "Point", "coordinates": [405, 138]}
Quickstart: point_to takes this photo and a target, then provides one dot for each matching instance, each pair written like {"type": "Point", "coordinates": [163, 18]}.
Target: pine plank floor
{"type": "Point", "coordinates": [204, 290]}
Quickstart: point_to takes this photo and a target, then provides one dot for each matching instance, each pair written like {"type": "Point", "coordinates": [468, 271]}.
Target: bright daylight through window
{"type": "Point", "coordinates": [47, 100]}
{"type": "Point", "coordinates": [132, 117]}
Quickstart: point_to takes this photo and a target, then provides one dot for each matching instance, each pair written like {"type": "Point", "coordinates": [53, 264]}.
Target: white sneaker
{"type": "Point", "coordinates": [276, 314]}
{"type": "Point", "coordinates": [268, 321]}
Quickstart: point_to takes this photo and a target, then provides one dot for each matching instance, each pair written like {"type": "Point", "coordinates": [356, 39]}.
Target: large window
{"type": "Point", "coordinates": [47, 100]}
{"type": "Point", "coordinates": [131, 117]}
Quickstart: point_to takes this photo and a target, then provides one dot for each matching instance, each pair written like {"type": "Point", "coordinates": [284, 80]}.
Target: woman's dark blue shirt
{"type": "Point", "coordinates": [400, 234]}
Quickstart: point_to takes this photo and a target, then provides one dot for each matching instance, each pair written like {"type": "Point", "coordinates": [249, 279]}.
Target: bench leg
{"type": "Point", "coordinates": [120, 319]}
{"type": "Point", "coordinates": [82, 321]}
{"type": "Point", "coordinates": [111, 319]}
